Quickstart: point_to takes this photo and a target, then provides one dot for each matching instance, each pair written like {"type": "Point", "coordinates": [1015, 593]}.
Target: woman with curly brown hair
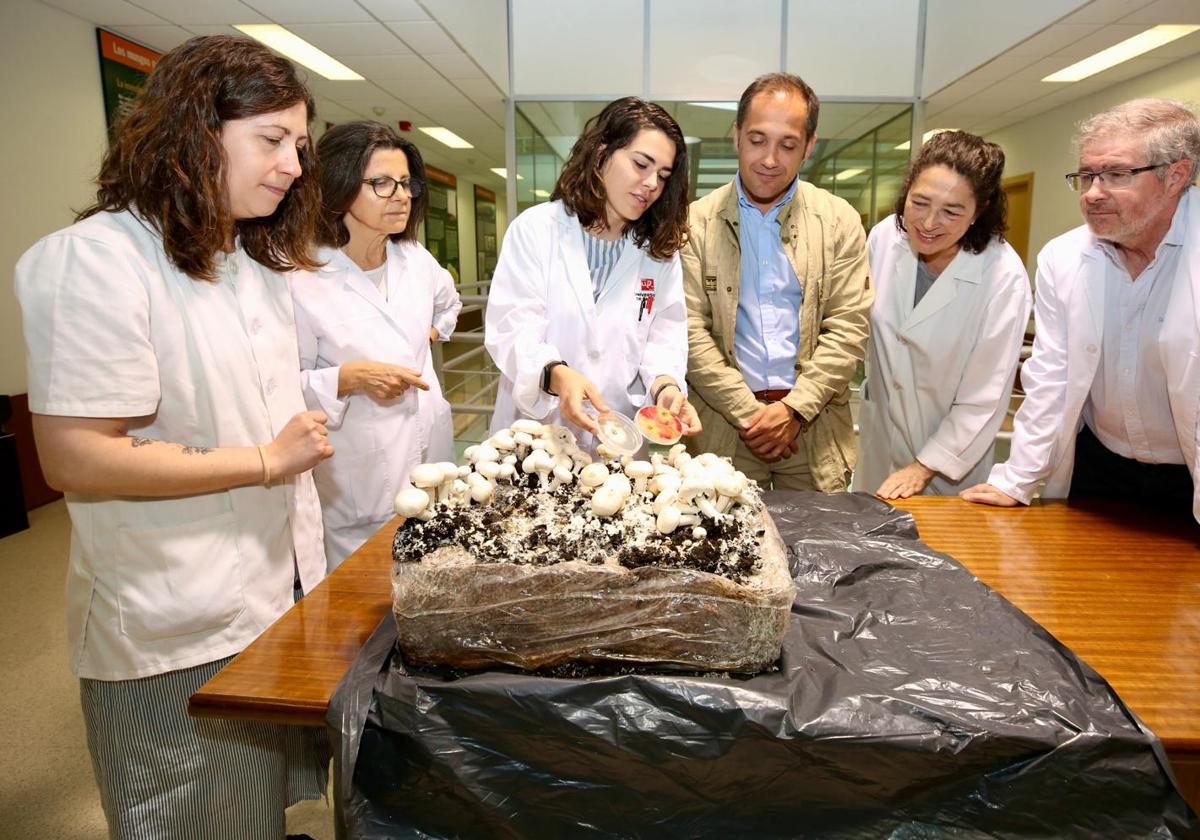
{"type": "Point", "coordinates": [951, 304]}
{"type": "Point", "coordinates": [587, 299]}
{"type": "Point", "coordinates": [167, 407]}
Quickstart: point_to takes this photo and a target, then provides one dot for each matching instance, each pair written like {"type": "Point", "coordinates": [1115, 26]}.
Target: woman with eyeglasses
{"type": "Point", "coordinates": [587, 304]}
{"type": "Point", "coordinates": [365, 322]}
{"type": "Point", "coordinates": [952, 302]}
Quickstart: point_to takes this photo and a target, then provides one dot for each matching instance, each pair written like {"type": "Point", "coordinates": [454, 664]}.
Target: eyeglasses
{"type": "Point", "coordinates": [1112, 179]}
{"type": "Point", "coordinates": [385, 186]}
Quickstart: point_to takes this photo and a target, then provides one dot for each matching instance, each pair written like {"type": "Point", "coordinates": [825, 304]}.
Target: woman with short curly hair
{"type": "Point", "coordinates": [587, 300]}
{"type": "Point", "coordinates": [167, 407]}
{"type": "Point", "coordinates": [952, 302]}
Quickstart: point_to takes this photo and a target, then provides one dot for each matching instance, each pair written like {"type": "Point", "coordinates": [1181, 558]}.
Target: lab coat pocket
{"type": "Point", "coordinates": [179, 580]}
{"type": "Point", "coordinates": [356, 488]}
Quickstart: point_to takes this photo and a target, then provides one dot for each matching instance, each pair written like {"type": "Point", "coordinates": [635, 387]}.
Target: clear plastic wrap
{"type": "Point", "coordinates": [453, 611]}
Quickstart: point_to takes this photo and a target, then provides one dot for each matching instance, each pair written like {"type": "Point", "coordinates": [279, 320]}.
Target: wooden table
{"type": "Point", "coordinates": [1120, 588]}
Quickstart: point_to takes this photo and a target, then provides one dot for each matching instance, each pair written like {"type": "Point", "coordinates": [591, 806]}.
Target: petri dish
{"type": "Point", "coordinates": [659, 426]}
{"type": "Point", "coordinates": [618, 433]}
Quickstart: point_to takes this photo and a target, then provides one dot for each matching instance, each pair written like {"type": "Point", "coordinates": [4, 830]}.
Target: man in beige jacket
{"type": "Point", "coordinates": [778, 296]}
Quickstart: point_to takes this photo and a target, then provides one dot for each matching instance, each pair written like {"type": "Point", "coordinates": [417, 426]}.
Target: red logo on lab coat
{"type": "Point", "coordinates": [645, 298]}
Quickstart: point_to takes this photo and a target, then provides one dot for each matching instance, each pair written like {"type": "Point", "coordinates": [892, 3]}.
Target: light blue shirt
{"type": "Point", "coordinates": [766, 338]}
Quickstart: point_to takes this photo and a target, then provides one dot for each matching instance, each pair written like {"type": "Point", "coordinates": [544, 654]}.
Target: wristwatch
{"type": "Point", "coordinates": [550, 366]}
{"type": "Point", "coordinates": [801, 419]}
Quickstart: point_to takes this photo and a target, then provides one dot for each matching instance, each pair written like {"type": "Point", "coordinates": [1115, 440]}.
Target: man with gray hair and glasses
{"type": "Point", "coordinates": [1113, 386]}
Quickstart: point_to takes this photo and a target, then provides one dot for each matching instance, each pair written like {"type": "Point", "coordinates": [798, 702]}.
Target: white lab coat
{"type": "Point", "coordinates": [939, 376]}
{"type": "Point", "coordinates": [540, 310]}
{"type": "Point", "coordinates": [1066, 355]}
{"type": "Point", "coordinates": [342, 317]}
{"type": "Point", "coordinates": [115, 330]}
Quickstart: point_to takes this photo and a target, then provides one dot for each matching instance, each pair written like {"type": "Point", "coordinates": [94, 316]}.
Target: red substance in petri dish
{"type": "Point", "coordinates": [659, 425]}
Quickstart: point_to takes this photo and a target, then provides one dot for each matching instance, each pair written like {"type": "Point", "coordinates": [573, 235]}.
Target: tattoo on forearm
{"type": "Point", "coordinates": [187, 450]}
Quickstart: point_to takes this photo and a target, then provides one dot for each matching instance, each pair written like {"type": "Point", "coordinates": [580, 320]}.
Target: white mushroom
{"type": "Point", "coordinates": [458, 492]}
{"type": "Point", "coordinates": [698, 533]}
{"type": "Point", "coordinates": [639, 471]}
{"type": "Point", "coordinates": [508, 471]}
{"type": "Point", "coordinates": [562, 475]}
{"type": "Point", "coordinates": [591, 477]}
{"type": "Point", "coordinates": [663, 482]}
{"type": "Point", "coordinates": [664, 499]}
{"type": "Point", "coordinates": [680, 460]}
{"type": "Point", "coordinates": [674, 453]}
{"type": "Point", "coordinates": [621, 482]}
{"type": "Point", "coordinates": [429, 478]}
{"type": "Point", "coordinates": [729, 487]}
{"type": "Point", "coordinates": [668, 519]}
{"type": "Point", "coordinates": [411, 501]}
{"type": "Point", "coordinates": [503, 440]}
{"type": "Point", "coordinates": [480, 488]}
{"type": "Point", "coordinates": [483, 452]}
{"type": "Point", "coordinates": [538, 462]}
{"type": "Point", "coordinates": [488, 469]}
{"type": "Point", "coordinates": [607, 500]}
{"type": "Point", "coordinates": [527, 426]}
{"type": "Point", "coordinates": [524, 441]}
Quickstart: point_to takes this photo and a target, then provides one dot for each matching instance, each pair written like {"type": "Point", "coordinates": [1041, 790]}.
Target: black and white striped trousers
{"type": "Point", "coordinates": [164, 775]}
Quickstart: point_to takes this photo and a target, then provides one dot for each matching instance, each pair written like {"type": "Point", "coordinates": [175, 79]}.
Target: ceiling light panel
{"type": "Point", "coordinates": [298, 50]}
{"type": "Point", "coordinates": [1140, 44]}
{"type": "Point", "coordinates": [446, 137]}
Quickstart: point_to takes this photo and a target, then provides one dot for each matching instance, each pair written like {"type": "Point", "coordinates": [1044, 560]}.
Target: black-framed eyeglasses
{"type": "Point", "coordinates": [385, 186]}
{"type": "Point", "coordinates": [1112, 179]}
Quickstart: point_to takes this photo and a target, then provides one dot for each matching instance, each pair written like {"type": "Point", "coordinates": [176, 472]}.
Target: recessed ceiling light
{"type": "Point", "coordinates": [503, 173]}
{"type": "Point", "coordinates": [719, 106]}
{"type": "Point", "coordinates": [298, 50]}
{"type": "Point", "coordinates": [690, 140]}
{"type": "Point", "coordinates": [541, 193]}
{"type": "Point", "coordinates": [1152, 38]}
{"type": "Point", "coordinates": [906, 145]}
{"type": "Point", "coordinates": [846, 174]}
{"type": "Point", "coordinates": [446, 137]}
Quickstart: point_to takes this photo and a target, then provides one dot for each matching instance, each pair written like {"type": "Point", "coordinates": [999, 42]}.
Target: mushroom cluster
{"type": "Point", "coordinates": [674, 490]}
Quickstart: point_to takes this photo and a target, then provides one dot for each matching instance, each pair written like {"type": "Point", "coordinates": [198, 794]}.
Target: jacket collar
{"type": "Point", "coordinates": [354, 279]}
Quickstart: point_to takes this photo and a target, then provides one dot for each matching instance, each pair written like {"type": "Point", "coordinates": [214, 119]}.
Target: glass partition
{"type": "Point", "coordinates": [860, 154]}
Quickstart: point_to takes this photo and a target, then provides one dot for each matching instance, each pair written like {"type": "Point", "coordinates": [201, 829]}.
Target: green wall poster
{"type": "Point", "coordinates": [485, 232]}
{"type": "Point", "coordinates": [441, 220]}
{"type": "Point", "coordinates": [124, 67]}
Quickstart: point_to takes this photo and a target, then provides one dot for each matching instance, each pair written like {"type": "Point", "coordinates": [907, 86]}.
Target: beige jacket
{"type": "Point", "coordinates": [826, 245]}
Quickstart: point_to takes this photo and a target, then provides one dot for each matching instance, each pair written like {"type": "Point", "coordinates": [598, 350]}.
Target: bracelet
{"type": "Point", "coordinates": [262, 457]}
{"type": "Point", "coordinates": [546, 371]}
{"type": "Point", "coordinates": [654, 396]}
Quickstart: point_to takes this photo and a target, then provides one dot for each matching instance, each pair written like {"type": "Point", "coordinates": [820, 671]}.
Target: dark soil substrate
{"type": "Point", "coordinates": [728, 550]}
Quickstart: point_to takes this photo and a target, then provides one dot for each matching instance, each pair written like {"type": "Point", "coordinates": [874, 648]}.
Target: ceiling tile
{"type": "Point", "coordinates": [350, 39]}
{"type": "Point", "coordinates": [455, 66]}
{"type": "Point", "coordinates": [394, 9]}
{"type": "Point", "coordinates": [481, 90]}
{"type": "Point", "coordinates": [426, 89]}
{"type": "Point", "coordinates": [161, 38]}
{"type": "Point", "coordinates": [107, 12]}
{"type": "Point", "coordinates": [425, 37]}
{"type": "Point", "coordinates": [1051, 40]}
{"type": "Point", "coordinates": [1002, 66]}
{"type": "Point", "coordinates": [212, 29]}
{"type": "Point", "coordinates": [184, 12]}
{"type": "Point", "coordinates": [311, 11]}
{"type": "Point", "coordinates": [382, 68]}
{"type": "Point", "coordinates": [1101, 39]}
{"type": "Point", "coordinates": [1166, 11]}
{"type": "Point", "coordinates": [1105, 11]}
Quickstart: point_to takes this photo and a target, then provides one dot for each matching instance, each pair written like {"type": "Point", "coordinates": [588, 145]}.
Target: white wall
{"type": "Point", "coordinates": [50, 148]}
{"type": "Point", "coordinates": [1042, 145]}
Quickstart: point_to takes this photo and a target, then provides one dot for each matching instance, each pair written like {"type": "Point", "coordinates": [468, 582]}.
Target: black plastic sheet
{"type": "Point", "coordinates": [910, 701]}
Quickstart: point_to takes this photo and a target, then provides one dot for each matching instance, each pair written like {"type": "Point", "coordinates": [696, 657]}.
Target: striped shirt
{"type": "Point", "coordinates": [602, 256]}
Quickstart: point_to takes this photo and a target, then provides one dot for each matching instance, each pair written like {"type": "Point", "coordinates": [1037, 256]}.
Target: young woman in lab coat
{"type": "Point", "coordinates": [365, 321]}
{"type": "Point", "coordinates": [167, 407]}
{"type": "Point", "coordinates": [952, 302]}
{"type": "Point", "coordinates": [586, 303]}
